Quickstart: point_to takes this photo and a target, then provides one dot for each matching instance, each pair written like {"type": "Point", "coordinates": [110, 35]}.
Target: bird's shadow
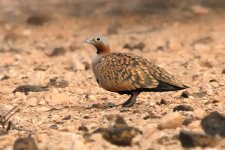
{"type": "Point", "coordinates": [110, 105]}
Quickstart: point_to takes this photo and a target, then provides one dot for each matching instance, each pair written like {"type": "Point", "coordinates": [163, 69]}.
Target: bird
{"type": "Point", "coordinates": [129, 74]}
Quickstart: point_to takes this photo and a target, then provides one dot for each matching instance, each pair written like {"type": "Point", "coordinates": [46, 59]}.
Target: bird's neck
{"type": "Point", "coordinates": [103, 49]}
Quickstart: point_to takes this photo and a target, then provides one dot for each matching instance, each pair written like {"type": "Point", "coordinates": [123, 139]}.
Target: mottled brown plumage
{"type": "Point", "coordinates": [129, 74]}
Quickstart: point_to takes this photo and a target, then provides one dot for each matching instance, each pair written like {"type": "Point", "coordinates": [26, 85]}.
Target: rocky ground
{"type": "Point", "coordinates": [45, 73]}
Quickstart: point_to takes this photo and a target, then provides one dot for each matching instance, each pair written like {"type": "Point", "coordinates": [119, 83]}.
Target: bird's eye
{"type": "Point", "coordinates": [98, 39]}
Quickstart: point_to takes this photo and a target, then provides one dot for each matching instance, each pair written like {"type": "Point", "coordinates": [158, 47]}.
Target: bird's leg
{"type": "Point", "coordinates": [131, 101]}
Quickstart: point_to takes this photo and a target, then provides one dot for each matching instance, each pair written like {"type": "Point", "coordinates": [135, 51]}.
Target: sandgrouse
{"type": "Point", "coordinates": [129, 74]}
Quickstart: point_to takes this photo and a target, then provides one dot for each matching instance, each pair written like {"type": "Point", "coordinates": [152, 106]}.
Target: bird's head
{"type": "Point", "coordinates": [101, 44]}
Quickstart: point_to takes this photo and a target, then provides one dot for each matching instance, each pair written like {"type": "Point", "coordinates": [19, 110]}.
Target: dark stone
{"type": "Point", "coordinates": [213, 80]}
{"type": "Point", "coordinates": [223, 72]}
{"type": "Point", "coordinates": [58, 83]}
{"type": "Point", "coordinates": [54, 126]}
{"type": "Point", "coordinates": [57, 52]}
{"type": "Point", "coordinates": [163, 140]}
{"type": "Point", "coordinates": [191, 139]}
{"type": "Point", "coordinates": [185, 94]}
{"type": "Point", "coordinates": [152, 115]}
{"type": "Point", "coordinates": [137, 111]}
{"type": "Point", "coordinates": [111, 105]}
{"type": "Point", "coordinates": [130, 46]}
{"type": "Point", "coordinates": [87, 65]}
{"type": "Point", "coordinates": [183, 108]}
{"type": "Point", "coordinates": [5, 77]}
{"type": "Point", "coordinates": [119, 136]}
{"type": "Point", "coordinates": [214, 124]}
{"type": "Point", "coordinates": [67, 117]}
{"type": "Point", "coordinates": [86, 117]}
{"type": "Point", "coordinates": [162, 102]}
{"type": "Point", "coordinates": [37, 20]}
{"type": "Point", "coordinates": [95, 106]}
{"type": "Point", "coordinates": [25, 144]}
{"type": "Point", "coordinates": [199, 94]}
{"type": "Point", "coordinates": [187, 121]}
{"type": "Point", "coordinates": [83, 128]}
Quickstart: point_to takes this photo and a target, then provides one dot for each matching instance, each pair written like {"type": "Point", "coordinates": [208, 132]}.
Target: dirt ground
{"type": "Point", "coordinates": [55, 55]}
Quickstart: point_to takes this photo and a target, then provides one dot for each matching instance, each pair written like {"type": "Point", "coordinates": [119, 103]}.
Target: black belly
{"type": "Point", "coordinates": [162, 87]}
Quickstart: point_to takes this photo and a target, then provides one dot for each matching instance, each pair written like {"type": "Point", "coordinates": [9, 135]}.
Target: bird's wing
{"type": "Point", "coordinates": [124, 72]}
{"type": "Point", "coordinates": [164, 77]}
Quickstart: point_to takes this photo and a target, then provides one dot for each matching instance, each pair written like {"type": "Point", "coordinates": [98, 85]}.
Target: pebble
{"type": "Point", "coordinates": [41, 137]}
{"type": "Point", "coordinates": [200, 10]}
{"type": "Point", "coordinates": [57, 99]}
{"type": "Point", "coordinates": [193, 139]}
{"type": "Point", "coordinates": [83, 128]}
{"type": "Point", "coordinates": [223, 71]}
{"type": "Point", "coordinates": [214, 124]}
{"type": "Point", "coordinates": [199, 113]}
{"type": "Point", "coordinates": [171, 121]}
{"type": "Point", "coordinates": [183, 108]}
{"type": "Point", "coordinates": [32, 101]}
{"type": "Point", "coordinates": [194, 125]}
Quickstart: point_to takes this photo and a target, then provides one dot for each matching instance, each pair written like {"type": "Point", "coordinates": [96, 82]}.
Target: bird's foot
{"type": "Point", "coordinates": [132, 100]}
{"type": "Point", "coordinates": [128, 103]}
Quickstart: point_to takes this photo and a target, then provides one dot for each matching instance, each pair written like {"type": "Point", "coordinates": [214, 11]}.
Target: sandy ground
{"type": "Point", "coordinates": [191, 48]}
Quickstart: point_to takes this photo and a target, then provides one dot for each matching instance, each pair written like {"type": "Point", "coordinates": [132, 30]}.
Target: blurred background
{"type": "Point", "coordinates": [20, 10]}
{"type": "Point", "coordinates": [42, 46]}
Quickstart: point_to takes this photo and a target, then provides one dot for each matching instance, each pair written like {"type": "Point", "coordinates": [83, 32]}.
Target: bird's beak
{"type": "Point", "coordinates": [90, 41]}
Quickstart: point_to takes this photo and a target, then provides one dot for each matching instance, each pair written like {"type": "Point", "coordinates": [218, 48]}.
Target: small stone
{"type": "Point", "coordinates": [213, 80]}
{"type": "Point", "coordinates": [151, 115]}
{"type": "Point", "coordinates": [54, 126]}
{"type": "Point", "coordinates": [41, 137]}
{"type": "Point", "coordinates": [122, 136]}
{"type": "Point", "coordinates": [162, 102]}
{"type": "Point", "coordinates": [95, 106]}
{"type": "Point", "coordinates": [164, 140]}
{"type": "Point", "coordinates": [223, 72]}
{"type": "Point", "coordinates": [67, 117]}
{"type": "Point", "coordinates": [67, 128]}
{"type": "Point", "coordinates": [37, 20]}
{"type": "Point", "coordinates": [188, 120]}
{"type": "Point", "coordinates": [174, 45]}
{"type": "Point", "coordinates": [137, 111]}
{"type": "Point", "coordinates": [193, 139]}
{"type": "Point", "coordinates": [133, 45]}
{"type": "Point", "coordinates": [199, 94]}
{"type": "Point", "coordinates": [111, 104]}
{"type": "Point", "coordinates": [183, 108]}
{"type": "Point", "coordinates": [214, 124]}
{"type": "Point", "coordinates": [27, 32]}
{"type": "Point", "coordinates": [57, 99]}
{"type": "Point", "coordinates": [185, 94]}
{"type": "Point", "coordinates": [207, 64]}
{"type": "Point", "coordinates": [4, 77]}
{"type": "Point", "coordinates": [199, 113]}
{"type": "Point", "coordinates": [83, 128]}
{"type": "Point", "coordinates": [86, 117]}
{"type": "Point", "coordinates": [200, 10]}
{"type": "Point", "coordinates": [87, 65]}
{"type": "Point", "coordinates": [32, 101]}
{"type": "Point", "coordinates": [25, 144]}
{"type": "Point", "coordinates": [171, 121]}
{"type": "Point", "coordinates": [58, 83]}
{"type": "Point", "coordinates": [194, 125]}
{"type": "Point", "coordinates": [57, 51]}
